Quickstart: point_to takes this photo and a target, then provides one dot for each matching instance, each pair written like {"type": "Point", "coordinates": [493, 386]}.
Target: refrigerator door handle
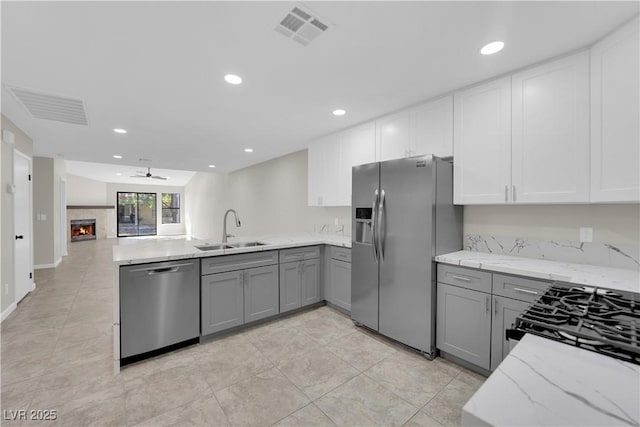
{"type": "Point", "coordinates": [374, 237]}
{"type": "Point", "coordinates": [379, 237]}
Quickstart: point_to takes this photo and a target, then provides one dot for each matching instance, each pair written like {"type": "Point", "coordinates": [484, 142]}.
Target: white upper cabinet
{"type": "Point", "coordinates": [330, 160]}
{"type": "Point", "coordinates": [392, 136]}
{"type": "Point", "coordinates": [357, 147]}
{"type": "Point", "coordinates": [482, 143]}
{"type": "Point", "coordinates": [431, 128]}
{"type": "Point", "coordinates": [615, 139]}
{"type": "Point", "coordinates": [323, 171]}
{"type": "Point", "coordinates": [550, 132]}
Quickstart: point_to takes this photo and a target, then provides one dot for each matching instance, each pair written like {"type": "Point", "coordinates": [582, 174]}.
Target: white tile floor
{"type": "Point", "coordinates": [312, 368]}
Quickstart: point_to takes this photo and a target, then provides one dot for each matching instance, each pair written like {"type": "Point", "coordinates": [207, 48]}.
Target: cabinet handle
{"type": "Point", "coordinates": [495, 306]}
{"type": "Point", "coordinates": [464, 279]}
{"type": "Point", "coordinates": [525, 291]}
{"type": "Point", "coordinates": [514, 192]}
{"type": "Point", "coordinates": [486, 304]}
{"type": "Point", "coordinates": [506, 193]}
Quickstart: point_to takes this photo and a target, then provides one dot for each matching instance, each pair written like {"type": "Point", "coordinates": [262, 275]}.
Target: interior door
{"type": "Point", "coordinates": [406, 236]}
{"type": "Point", "coordinates": [22, 225]}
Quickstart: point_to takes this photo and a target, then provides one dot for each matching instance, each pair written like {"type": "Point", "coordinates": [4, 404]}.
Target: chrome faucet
{"type": "Point", "coordinates": [224, 225]}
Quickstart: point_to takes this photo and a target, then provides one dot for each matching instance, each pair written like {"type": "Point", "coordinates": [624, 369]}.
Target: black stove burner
{"type": "Point", "coordinates": [592, 318]}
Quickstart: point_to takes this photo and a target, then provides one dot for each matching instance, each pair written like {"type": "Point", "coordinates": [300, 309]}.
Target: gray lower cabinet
{"type": "Point", "coordinates": [289, 286]}
{"type": "Point", "coordinates": [310, 286]}
{"type": "Point", "coordinates": [260, 292]}
{"type": "Point", "coordinates": [463, 324]}
{"type": "Point", "coordinates": [299, 284]}
{"type": "Point", "coordinates": [505, 311]}
{"type": "Point", "coordinates": [222, 301]}
{"type": "Point", "coordinates": [339, 292]}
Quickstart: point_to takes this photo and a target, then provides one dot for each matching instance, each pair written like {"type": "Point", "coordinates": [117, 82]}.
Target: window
{"type": "Point", "coordinates": [136, 214]}
{"type": "Point", "coordinates": [170, 208]}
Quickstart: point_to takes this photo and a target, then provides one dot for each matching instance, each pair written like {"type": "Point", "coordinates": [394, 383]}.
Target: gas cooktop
{"type": "Point", "coordinates": [595, 319]}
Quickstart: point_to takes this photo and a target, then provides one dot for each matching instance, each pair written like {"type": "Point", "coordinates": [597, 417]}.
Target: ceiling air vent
{"type": "Point", "coordinates": [301, 26]}
{"type": "Point", "coordinates": [51, 107]}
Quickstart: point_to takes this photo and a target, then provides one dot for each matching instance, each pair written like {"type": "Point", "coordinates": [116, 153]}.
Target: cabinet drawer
{"type": "Point", "coordinates": [220, 264]}
{"type": "Point", "coordinates": [465, 277]}
{"type": "Point", "coordinates": [518, 288]}
{"type": "Point", "coordinates": [299, 254]}
{"type": "Point", "coordinates": [341, 254]}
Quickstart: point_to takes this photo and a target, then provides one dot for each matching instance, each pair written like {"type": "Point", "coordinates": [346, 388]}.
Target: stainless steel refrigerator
{"type": "Point", "coordinates": [402, 217]}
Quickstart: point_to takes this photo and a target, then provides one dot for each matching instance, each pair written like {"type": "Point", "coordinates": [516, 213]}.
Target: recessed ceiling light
{"type": "Point", "coordinates": [339, 112]}
{"type": "Point", "coordinates": [116, 130]}
{"type": "Point", "coordinates": [248, 150]}
{"type": "Point", "coordinates": [118, 173]}
{"type": "Point", "coordinates": [117, 156]}
{"type": "Point", "coordinates": [212, 166]}
{"type": "Point", "coordinates": [233, 79]}
{"type": "Point", "coordinates": [491, 48]}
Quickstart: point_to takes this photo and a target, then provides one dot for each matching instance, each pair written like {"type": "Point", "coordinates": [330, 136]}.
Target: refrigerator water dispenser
{"type": "Point", "coordinates": [364, 225]}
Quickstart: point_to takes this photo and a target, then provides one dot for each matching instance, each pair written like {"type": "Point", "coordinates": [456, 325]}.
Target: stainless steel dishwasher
{"type": "Point", "coordinates": [159, 305]}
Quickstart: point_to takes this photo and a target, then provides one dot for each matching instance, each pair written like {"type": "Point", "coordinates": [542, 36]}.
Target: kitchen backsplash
{"type": "Point", "coordinates": [603, 254]}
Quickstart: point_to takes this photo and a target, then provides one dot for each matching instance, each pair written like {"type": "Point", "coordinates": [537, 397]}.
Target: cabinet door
{"type": "Point", "coordinates": [222, 303]}
{"type": "Point", "coordinates": [290, 286]}
{"type": "Point", "coordinates": [463, 326]}
{"type": "Point", "coordinates": [615, 112]}
{"type": "Point", "coordinates": [310, 281]}
{"type": "Point", "coordinates": [392, 136]}
{"type": "Point", "coordinates": [261, 293]}
{"type": "Point", "coordinates": [357, 147]}
{"type": "Point", "coordinates": [340, 283]}
{"type": "Point", "coordinates": [550, 140]}
{"type": "Point", "coordinates": [432, 128]}
{"type": "Point", "coordinates": [323, 185]}
{"type": "Point", "coordinates": [505, 311]}
{"type": "Point", "coordinates": [482, 144]}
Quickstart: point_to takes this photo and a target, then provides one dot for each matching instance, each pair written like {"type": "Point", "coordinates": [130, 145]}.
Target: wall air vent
{"type": "Point", "coordinates": [301, 25]}
{"type": "Point", "coordinates": [51, 107]}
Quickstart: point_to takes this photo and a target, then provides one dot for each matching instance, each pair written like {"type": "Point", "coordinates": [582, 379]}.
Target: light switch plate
{"type": "Point", "coordinates": [586, 234]}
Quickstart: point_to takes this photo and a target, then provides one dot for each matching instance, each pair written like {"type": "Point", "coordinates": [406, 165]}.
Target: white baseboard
{"type": "Point", "coordinates": [54, 265]}
{"type": "Point", "coordinates": [8, 311]}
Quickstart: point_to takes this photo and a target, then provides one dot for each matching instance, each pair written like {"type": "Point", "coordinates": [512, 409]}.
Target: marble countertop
{"type": "Point", "coordinates": [582, 274]}
{"type": "Point", "coordinates": [547, 383]}
{"type": "Point", "coordinates": [140, 251]}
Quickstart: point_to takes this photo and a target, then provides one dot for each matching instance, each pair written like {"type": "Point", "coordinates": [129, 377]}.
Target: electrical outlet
{"type": "Point", "coordinates": [586, 234]}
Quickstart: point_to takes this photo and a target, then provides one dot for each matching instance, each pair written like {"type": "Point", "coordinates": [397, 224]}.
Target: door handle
{"type": "Point", "coordinates": [163, 270]}
{"type": "Point", "coordinates": [495, 306]}
{"type": "Point", "coordinates": [525, 291]}
{"type": "Point", "coordinates": [19, 237]}
{"type": "Point", "coordinates": [464, 279]}
{"type": "Point", "coordinates": [380, 238]}
{"type": "Point", "coordinates": [374, 225]}
{"type": "Point", "coordinates": [486, 303]}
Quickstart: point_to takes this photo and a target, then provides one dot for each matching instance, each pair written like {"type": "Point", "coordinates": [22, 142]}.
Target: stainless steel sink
{"type": "Point", "coordinates": [247, 244]}
{"type": "Point", "coordinates": [213, 247]}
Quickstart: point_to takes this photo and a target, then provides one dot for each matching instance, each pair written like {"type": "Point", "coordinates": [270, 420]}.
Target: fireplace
{"type": "Point", "coordinates": [83, 229]}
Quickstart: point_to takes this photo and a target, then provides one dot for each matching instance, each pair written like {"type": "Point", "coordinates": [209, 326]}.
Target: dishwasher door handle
{"type": "Point", "coordinates": [154, 270]}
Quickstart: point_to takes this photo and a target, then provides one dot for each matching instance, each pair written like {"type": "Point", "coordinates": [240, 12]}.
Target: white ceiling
{"type": "Point", "coordinates": [108, 173]}
{"type": "Point", "coordinates": [156, 69]}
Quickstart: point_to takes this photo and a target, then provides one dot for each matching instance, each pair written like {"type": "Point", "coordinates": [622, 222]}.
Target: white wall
{"type": "Point", "coordinates": [270, 198]}
{"type": "Point", "coordinates": [163, 229]}
{"type": "Point", "coordinates": [24, 144]}
{"type": "Point", "coordinates": [85, 191]}
{"type": "Point", "coordinates": [614, 224]}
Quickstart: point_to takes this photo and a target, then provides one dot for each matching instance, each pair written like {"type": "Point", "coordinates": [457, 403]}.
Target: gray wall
{"type": "Point", "coordinates": [48, 232]}
{"type": "Point", "coordinates": [24, 144]}
{"type": "Point", "coordinates": [270, 197]}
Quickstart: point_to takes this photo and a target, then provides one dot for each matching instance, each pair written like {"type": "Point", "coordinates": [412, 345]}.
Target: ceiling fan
{"type": "Point", "coordinates": [148, 175]}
